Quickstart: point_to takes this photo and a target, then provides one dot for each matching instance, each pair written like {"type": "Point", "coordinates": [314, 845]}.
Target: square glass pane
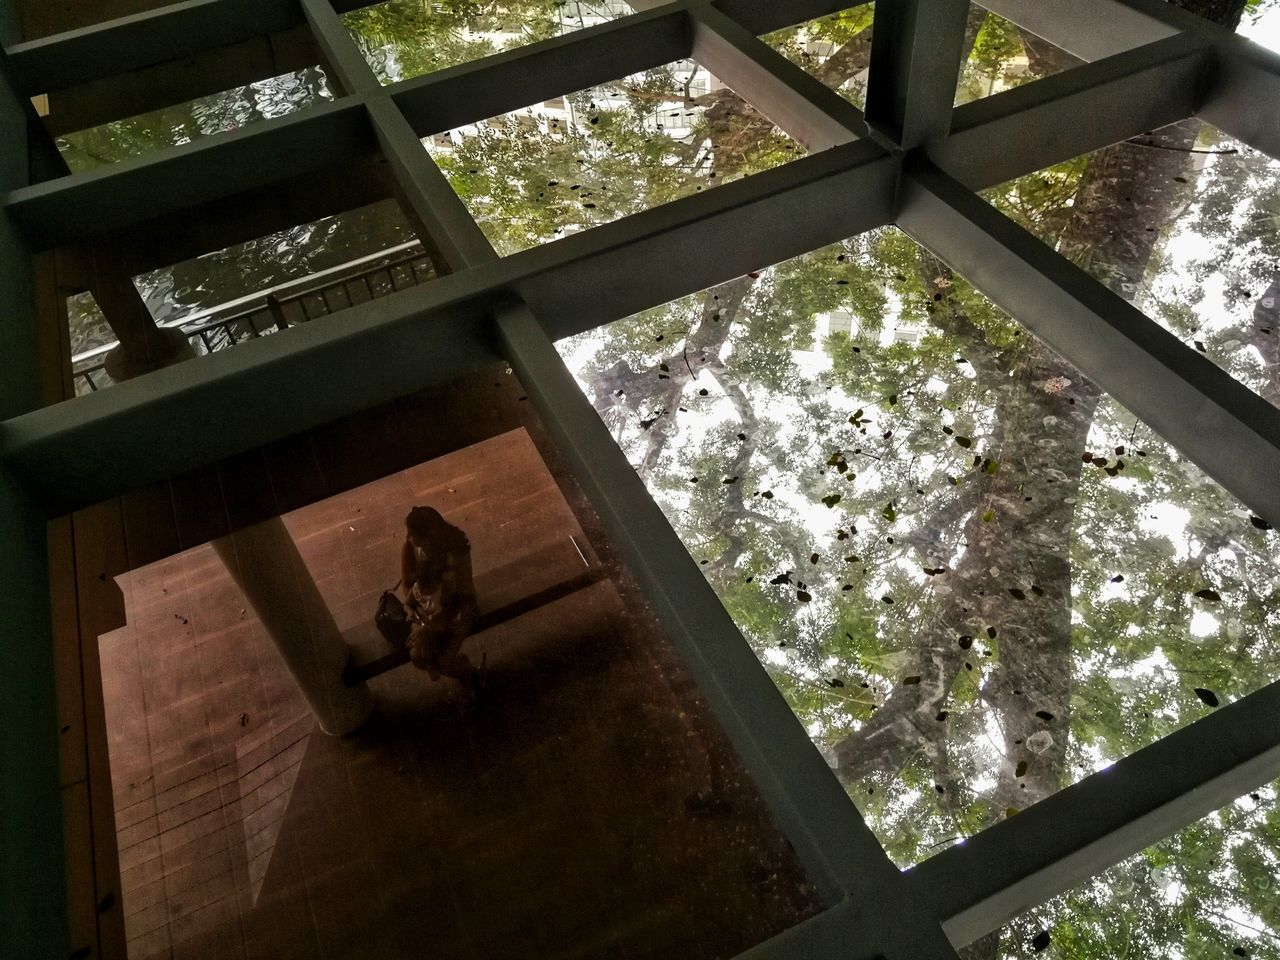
{"type": "Point", "coordinates": [194, 120]}
{"type": "Point", "coordinates": [551, 750]}
{"type": "Point", "coordinates": [1001, 56]}
{"type": "Point", "coordinates": [594, 156]}
{"type": "Point", "coordinates": [836, 49]}
{"type": "Point", "coordinates": [1207, 891]}
{"type": "Point", "coordinates": [975, 578]}
{"type": "Point", "coordinates": [1184, 223]}
{"type": "Point", "coordinates": [402, 39]}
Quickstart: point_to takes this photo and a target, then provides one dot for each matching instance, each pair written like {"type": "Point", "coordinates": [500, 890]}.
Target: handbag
{"type": "Point", "coordinates": [391, 620]}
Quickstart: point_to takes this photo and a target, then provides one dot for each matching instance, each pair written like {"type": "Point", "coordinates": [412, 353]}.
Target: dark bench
{"type": "Point", "coordinates": [356, 673]}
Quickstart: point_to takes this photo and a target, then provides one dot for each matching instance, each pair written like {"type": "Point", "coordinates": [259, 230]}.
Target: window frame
{"type": "Point", "coordinates": [911, 160]}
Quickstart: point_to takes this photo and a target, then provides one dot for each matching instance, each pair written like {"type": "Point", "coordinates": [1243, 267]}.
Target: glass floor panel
{"type": "Point", "coordinates": [1209, 891]}
{"type": "Point", "coordinates": [578, 161]}
{"type": "Point", "coordinates": [402, 39]}
{"type": "Point", "coordinates": [975, 578]}
{"type": "Point", "coordinates": [1183, 222]}
{"type": "Point", "coordinates": [836, 49]}
{"type": "Point", "coordinates": [1001, 57]}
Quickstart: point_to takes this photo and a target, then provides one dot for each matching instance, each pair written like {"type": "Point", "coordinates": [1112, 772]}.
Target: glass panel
{"type": "Point", "coordinates": [585, 159]}
{"type": "Point", "coordinates": [1261, 24]}
{"type": "Point", "coordinates": [551, 755]}
{"type": "Point", "coordinates": [1209, 891]}
{"type": "Point", "coordinates": [194, 120]}
{"type": "Point", "coordinates": [975, 578]}
{"type": "Point", "coordinates": [261, 286]}
{"type": "Point", "coordinates": [1002, 56]}
{"type": "Point", "coordinates": [836, 49]}
{"type": "Point", "coordinates": [406, 38]}
{"type": "Point", "coordinates": [1185, 223]}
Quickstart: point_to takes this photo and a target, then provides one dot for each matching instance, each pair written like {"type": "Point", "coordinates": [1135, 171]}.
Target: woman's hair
{"type": "Point", "coordinates": [425, 522]}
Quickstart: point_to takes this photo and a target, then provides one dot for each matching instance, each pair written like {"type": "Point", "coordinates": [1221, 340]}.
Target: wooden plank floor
{"type": "Point", "coordinates": [564, 815]}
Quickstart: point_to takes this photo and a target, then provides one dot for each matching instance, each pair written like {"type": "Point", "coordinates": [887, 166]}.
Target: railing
{"type": "Point", "coordinates": [276, 308]}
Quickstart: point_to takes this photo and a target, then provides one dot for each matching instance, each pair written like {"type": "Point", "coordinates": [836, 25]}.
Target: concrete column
{"type": "Point", "coordinates": [143, 346]}
{"type": "Point", "coordinates": [263, 558]}
{"type": "Point", "coordinates": [266, 565]}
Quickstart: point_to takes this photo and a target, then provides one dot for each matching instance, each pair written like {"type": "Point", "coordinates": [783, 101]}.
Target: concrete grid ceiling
{"type": "Point", "coordinates": [912, 160]}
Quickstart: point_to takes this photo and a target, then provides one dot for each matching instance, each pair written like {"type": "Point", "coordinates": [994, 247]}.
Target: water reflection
{"type": "Point", "coordinates": [205, 117]}
{"type": "Point", "coordinates": [282, 279]}
{"type": "Point", "coordinates": [1192, 217]}
{"type": "Point", "coordinates": [1208, 891]}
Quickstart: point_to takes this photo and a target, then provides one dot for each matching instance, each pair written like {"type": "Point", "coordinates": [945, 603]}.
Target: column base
{"type": "Point", "coordinates": [166, 347]}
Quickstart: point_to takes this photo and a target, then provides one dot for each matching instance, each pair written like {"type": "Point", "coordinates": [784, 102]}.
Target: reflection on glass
{"type": "Point", "coordinates": [194, 120]}
{"type": "Point", "coordinates": [836, 49]}
{"type": "Point", "coordinates": [975, 578]}
{"type": "Point", "coordinates": [1209, 891]}
{"type": "Point", "coordinates": [481, 805]}
{"type": "Point", "coordinates": [406, 38]}
{"type": "Point", "coordinates": [1002, 56]}
{"type": "Point", "coordinates": [605, 152]}
{"type": "Point", "coordinates": [1183, 222]}
{"type": "Point", "coordinates": [264, 285]}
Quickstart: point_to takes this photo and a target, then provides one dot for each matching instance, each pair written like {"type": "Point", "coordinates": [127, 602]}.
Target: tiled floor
{"type": "Point", "coordinates": [585, 806]}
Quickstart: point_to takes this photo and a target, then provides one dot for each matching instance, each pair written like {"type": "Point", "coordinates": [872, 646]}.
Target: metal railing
{"type": "Point", "coordinates": [277, 308]}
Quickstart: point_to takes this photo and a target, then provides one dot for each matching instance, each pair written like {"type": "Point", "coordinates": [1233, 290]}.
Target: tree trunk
{"type": "Point", "coordinates": [1264, 336]}
{"type": "Point", "coordinates": [654, 393]}
{"type": "Point", "coordinates": [1043, 410]}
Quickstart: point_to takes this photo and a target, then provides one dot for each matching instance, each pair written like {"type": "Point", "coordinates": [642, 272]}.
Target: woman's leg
{"type": "Point", "coordinates": [452, 662]}
{"type": "Point", "coordinates": [424, 648]}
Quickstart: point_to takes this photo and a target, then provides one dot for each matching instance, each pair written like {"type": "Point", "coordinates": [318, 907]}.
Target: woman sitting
{"type": "Point", "coordinates": [440, 596]}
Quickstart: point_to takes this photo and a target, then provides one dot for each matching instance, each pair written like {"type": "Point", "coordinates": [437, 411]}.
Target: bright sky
{"type": "Point", "coordinates": [1265, 31]}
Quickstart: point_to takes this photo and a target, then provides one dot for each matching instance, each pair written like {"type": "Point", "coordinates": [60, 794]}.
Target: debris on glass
{"type": "Point", "coordinates": [591, 157]}
{"type": "Point", "coordinates": [1192, 237]}
{"type": "Point", "coordinates": [402, 39]}
{"type": "Point", "coordinates": [975, 577]}
{"type": "Point", "coordinates": [1209, 890]}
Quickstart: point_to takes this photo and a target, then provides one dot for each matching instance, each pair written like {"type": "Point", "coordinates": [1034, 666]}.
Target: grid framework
{"type": "Point", "coordinates": [911, 160]}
